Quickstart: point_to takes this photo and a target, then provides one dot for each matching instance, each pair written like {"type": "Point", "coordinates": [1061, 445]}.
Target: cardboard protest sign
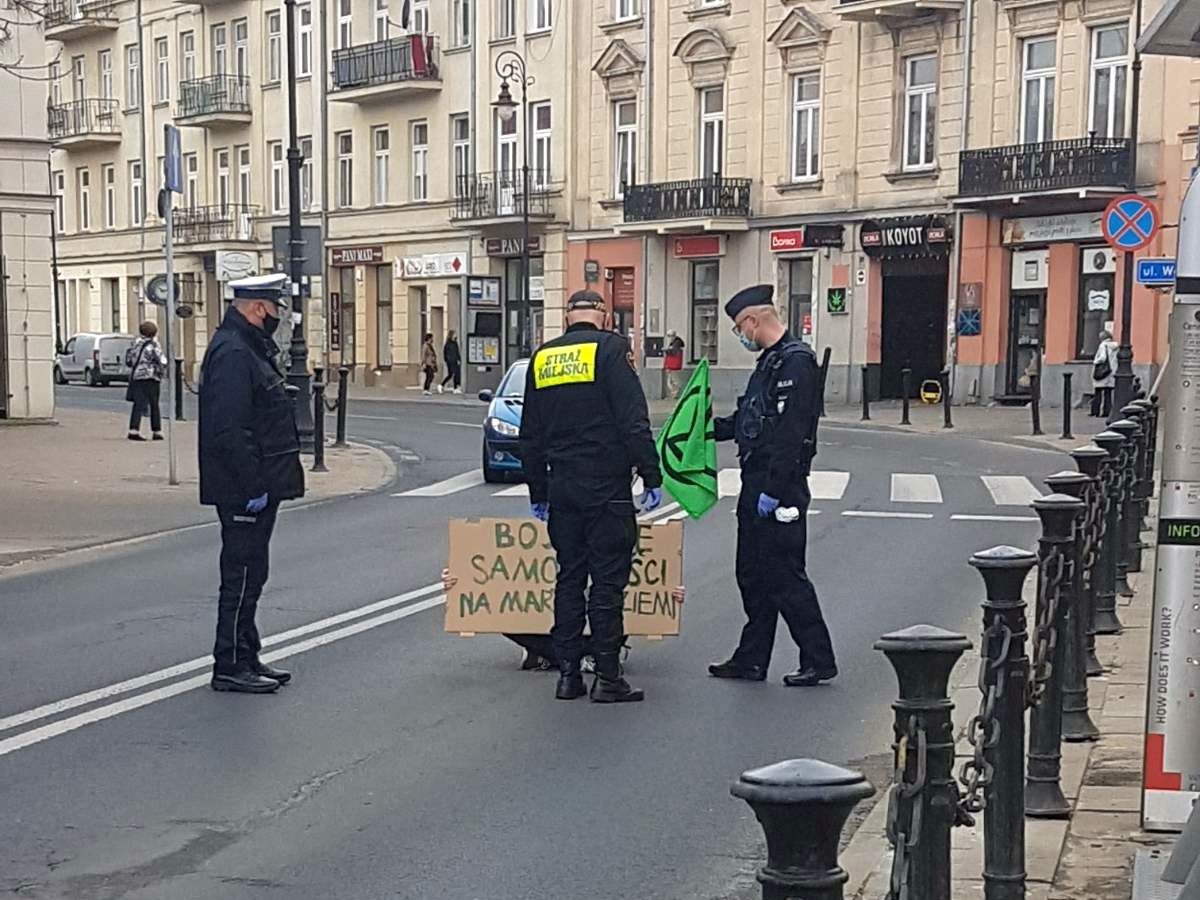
{"type": "Point", "coordinates": [506, 570]}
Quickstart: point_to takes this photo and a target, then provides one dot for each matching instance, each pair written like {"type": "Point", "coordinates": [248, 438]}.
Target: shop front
{"type": "Point", "coordinates": [351, 295]}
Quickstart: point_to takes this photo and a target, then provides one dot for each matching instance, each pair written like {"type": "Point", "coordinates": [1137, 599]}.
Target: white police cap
{"type": "Point", "coordinates": [272, 287]}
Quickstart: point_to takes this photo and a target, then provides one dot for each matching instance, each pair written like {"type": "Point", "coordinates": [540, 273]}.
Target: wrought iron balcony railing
{"type": "Point", "coordinates": [214, 95]}
{"type": "Point", "coordinates": [1053, 165]}
{"type": "Point", "coordinates": [700, 198]}
{"type": "Point", "coordinates": [496, 195]}
{"type": "Point", "coordinates": [411, 57]}
{"type": "Point", "coordinates": [79, 118]}
{"type": "Point", "coordinates": [215, 224]}
{"type": "Point", "coordinates": [71, 12]}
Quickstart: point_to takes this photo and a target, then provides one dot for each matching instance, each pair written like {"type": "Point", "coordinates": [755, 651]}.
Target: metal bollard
{"type": "Point", "coordinates": [923, 801]}
{"type": "Point", "coordinates": [905, 390]}
{"type": "Point", "coordinates": [1035, 403]}
{"type": "Point", "coordinates": [179, 390]}
{"type": "Point", "coordinates": [1106, 584]}
{"type": "Point", "coordinates": [1056, 549]}
{"type": "Point", "coordinates": [997, 733]}
{"type": "Point", "coordinates": [1077, 722]}
{"type": "Point", "coordinates": [1128, 529]}
{"type": "Point", "coordinates": [802, 806]}
{"type": "Point", "coordinates": [1089, 461]}
{"type": "Point", "coordinates": [866, 394]}
{"type": "Point", "coordinates": [947, 422]}
{"type": "Point", "coordinates": [1143, 485]}
{"type": "Point", "coordinates": [343, 393]}
{"type": "Point", "coordinates": [1067, 397]}
{"type": "Point", "coordinates": [318, 423]}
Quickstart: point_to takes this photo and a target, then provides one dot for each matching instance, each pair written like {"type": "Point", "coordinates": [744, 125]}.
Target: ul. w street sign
{"type": "Point", "coordinates": [1130, 223]}
{"type": "Point", "coordinates": [1156, 272]}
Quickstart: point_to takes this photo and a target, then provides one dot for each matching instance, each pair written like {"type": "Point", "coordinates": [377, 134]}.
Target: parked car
{"type": "Point", "coordinates": [502, 426]}
{"type": "Point", "coordinates": [94, 359]}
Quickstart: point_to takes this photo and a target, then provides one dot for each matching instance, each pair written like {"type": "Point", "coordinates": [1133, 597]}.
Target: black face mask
{"type": "Point", "coordinates": [270, 325]}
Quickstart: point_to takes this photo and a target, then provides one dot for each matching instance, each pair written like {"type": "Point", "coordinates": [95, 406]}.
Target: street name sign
{"type": "Point", "coordinates": [1156, 272]}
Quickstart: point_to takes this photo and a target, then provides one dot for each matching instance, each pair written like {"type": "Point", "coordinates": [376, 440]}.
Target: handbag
{"type": "Point", "coordinates": [1101, 370]}
{"type": "Point", "coordinates": [129, 396]}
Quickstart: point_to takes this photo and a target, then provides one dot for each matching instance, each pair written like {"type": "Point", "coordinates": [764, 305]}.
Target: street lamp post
{"type": "Point", "coordinates": [510, 66]}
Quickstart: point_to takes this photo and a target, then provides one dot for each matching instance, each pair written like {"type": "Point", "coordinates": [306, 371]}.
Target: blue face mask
{"type": "Point", "coordinates": [751, 345]}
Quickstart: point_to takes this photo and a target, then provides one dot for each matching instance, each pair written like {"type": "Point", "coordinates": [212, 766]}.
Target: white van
{"type": "Point", "coordinates": [94, 359]}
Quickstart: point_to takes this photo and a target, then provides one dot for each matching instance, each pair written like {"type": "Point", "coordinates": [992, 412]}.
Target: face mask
{"type": "Point", "coordinates": [752, 345]}
{"type": "Point", "coordinates": [270, 325]}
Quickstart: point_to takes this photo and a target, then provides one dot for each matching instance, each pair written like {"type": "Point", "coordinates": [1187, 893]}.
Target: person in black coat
{"type": "Point", "coordinates": [249, 464]}
{"type": "Point", "coordinates": [452, 357]}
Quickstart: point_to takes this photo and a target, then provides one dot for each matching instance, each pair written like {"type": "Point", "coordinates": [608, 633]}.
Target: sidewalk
{"type": "Point", "coordinates": [81, 483]}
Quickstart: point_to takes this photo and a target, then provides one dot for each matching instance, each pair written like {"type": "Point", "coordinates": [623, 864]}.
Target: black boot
{"type": "Point", "coordinates": [281, 675]}
{"type": "Point", "coordinates": [808, 676]}
{"type": "Point", "coordinates": [609, 686]}
{"type": "Point", "coordinates": [570, 682]}
{"type": "Point", "coordinates": [734, 670]}
{"type": "Point", "coordinates": [243, 681]}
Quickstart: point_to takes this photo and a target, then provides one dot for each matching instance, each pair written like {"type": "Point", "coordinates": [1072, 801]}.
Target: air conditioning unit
{"type": "Point", "coordinates": [1099, 261]}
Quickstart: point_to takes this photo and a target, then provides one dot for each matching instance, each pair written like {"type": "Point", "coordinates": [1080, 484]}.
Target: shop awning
{"type": "Point", "coordinates": [1174, 31]}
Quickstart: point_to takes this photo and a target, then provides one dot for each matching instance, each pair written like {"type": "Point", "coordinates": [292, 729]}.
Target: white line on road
{"type": "Point", "coordinates": [965, 517]}
{"type": "Point", "coordinates": [1011, 490]}
{"type": "Point", "coordinates": [828, 485]}
{"type": "Point", "coordinates": [475, 425]}
{"type": "Point", "coordinates": [447, 487]}
{"type": "Point", "coordinates": [877, 514]}
{"type": "Point", "coordinates": [915, 489]}
{"type": "Point", "coordinates": [517, 490]}
{"type": "Point", "coordinates": [373, 418]}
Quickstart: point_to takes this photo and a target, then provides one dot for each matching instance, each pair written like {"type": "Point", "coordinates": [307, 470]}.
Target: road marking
{"type": "Point", "coordinates": [915, 489]}
{"type": "Point", "coordinates": [517, 490]}
{"type": "Point", "coordinates": [64, 726]}
{"type": "Point", "coordinates": [476, 426]}
{"type": "Point", "coordinates": [131, 684]}
{"type": "Point", "coordinates": [373, 418]}
{"type": "Point", "coordinates": [964, 517]}
{"type": "Point", "coordinates": [729, 482]}
{"type": "Point", "coordinates": [1011, 490]}
{"type": "Point", "coordinates": [828, 485]}
{"type": "Point", "coordinates": [877, 514]}
{"type": "Point", "coordinates": [447, 487]}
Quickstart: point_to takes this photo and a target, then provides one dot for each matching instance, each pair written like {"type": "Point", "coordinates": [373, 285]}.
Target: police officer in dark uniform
{"type": "Point", "coordinates": [775, 429]}
{"type": "Point", "coordinates": [584, 429]}
{"type": "Point", "coordinates": [249, 464]}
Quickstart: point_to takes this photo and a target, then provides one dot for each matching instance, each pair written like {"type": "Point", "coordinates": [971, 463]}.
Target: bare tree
{"type": "Point", "coordinates": [22, 52]}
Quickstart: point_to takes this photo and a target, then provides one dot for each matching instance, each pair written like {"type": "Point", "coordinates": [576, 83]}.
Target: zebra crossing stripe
{"type": "Point", "coordinates": [1011, 490]}
{"type": "Point", "coordinates": [916, 489]}
{"type": "Point", "coordinates": [447, 487]}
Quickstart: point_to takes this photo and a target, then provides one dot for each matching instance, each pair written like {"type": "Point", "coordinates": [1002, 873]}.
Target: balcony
{"type": "Point", "coordinates": [385, 70]}
{"type": "Point", "coordinates": [65, 20]}
{"type": "Point", "coordinates": [218, 101]}
{"type": "Point", "coordinates": [894, 12]}
{"type": "Point", "coordinates": [205, 226]}
{"type": "Point", "coordinates": [702, 204]}
{"type": "Point", "coordinates": [84, 123]}
{"type": "Point", "coordinates": [498, 198]}
{"type": "Point", "coordinates": [1004, 174]}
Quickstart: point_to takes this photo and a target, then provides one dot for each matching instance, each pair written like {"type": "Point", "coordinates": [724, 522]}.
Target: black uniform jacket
{"type": "Point", "coordinates": [585, 426]}
{"type": "Point", "coordinates": [248, 440]}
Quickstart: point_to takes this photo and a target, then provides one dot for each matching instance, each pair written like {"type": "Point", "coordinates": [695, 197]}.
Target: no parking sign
{"type": "Point", "coordinates": [1130, 223]}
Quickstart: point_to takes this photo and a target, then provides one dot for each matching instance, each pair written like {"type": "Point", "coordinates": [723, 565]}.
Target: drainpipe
{"type": "Point", "coordinates": [54, 226]}
{"type": "Point", "coordinates": [323, 117]}
{"type": "Point", "coordinates": [143, 113]}
{"type": "Point", "coordinates": [956, 247]}
{"type": "Point", "coordinates": [648, 32]}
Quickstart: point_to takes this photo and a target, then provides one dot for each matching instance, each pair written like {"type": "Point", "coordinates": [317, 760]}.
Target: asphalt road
{"type": "Point", "coordinates": [404, 762]}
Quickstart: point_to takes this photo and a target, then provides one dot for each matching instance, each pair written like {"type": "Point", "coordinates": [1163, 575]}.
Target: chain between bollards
{"type": "Point", "coordinates": [343, 393]}
{"type": "Point", "coordinates": [1106, 621]}
{"type": "Point", "coordinates": [1128, 530]}
{"type": "Point", "coordinates": [1066, 408]}
{"type": "Point", "coordinates": [905, 392]}
{"type": "Point", "coordinates": [1090, 461]}
{"type": "Point", "coordinates": [1035, 403]}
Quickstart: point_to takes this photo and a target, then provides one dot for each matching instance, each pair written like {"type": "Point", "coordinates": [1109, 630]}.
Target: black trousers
{"type": "Point", "coordinates": [455, 373]}
{"type": "Point", "coordinates": [245, 545]}
{"type": "Point", "coordinates": [593, 545]}
{"type": "Point", "coordinates": [430, 374]}
{"type": "Point", "coordinates": [1102, 401]}
{"type": "Point", "coordinates": [772, 578]}
{"type": "Point", "coordinates": [145, 395]}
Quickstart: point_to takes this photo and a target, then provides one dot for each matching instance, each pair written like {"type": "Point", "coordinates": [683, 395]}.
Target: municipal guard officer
{"type": "Point", "coordinates": [584, 430]}
{"type": "Point", "coordinates": [775, 430]}
{"type": "Point", "coordinates": [249, 464]}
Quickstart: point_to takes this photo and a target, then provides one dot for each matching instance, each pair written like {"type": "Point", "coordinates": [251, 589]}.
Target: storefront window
{"type": "Point", "coordinates": [1097, 285]}
{"type": "Point", "coordinates": [706, 280]}
{"type": "Point", "coordinates": [800, 301]}
{"type": "Point", "coordinates": [383, 322]}
{"type": "Point", "coordinates": [348, 323]}
{"type": "Point", "coordinates": [514, 285]}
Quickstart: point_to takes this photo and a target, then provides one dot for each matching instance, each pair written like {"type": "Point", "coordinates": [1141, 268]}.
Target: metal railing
{"type": "Point", "coordinates": [214, 94]}
{"type": "Point", "coordinates": [211, 224]}
{"type": "Point", "coordinates": [411, 57]}
{"type": "Point", "coordinates": [1027, 168]}
{"type": "Point", "coordinates": [712, 197]}
{"type": "Point", "coordinates": [67, 12]}
{"type": "Point", "coordinates": [80, 117]}
{"type": "Point", "coordinates": [493, 195]}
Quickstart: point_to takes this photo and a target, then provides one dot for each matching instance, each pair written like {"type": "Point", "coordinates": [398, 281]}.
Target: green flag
{"type": "Point", "coordinates": [687, 449]}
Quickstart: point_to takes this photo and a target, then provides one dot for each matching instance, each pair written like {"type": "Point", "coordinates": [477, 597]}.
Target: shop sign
{"type": "Point", "coordinates": [806, 237]}
{"type": "Point", "coordinates": [623, 295]}
{"type": "Point", "coordinates": [435, 265]}
{"type": "Point", "coordinates": [1049, 229]}
{"type": "Point", "coordinates": [234, 264]}
{"type": "Point", "coordinates": [698, 246]}
{"type": "Point", "coordinates": [356, 256]}
{"type": "Point", "coordinates": [483, 290]}
{"type": "Point", "coordinates": [909, 236]}
{"type": "Point", "coordinates": [835, 301]}
{"type": "Point", "coordinates": [787, 240]}
{"type": "Point", "coordinates": [335, 321]}
{"type": "Point", "coordinates": [511, 246]}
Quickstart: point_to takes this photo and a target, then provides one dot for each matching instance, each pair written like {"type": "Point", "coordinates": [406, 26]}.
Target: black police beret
{"type": "Point", "coordinates": [758, 295]}
{"type": "Point", "coordinates": [585, 300]}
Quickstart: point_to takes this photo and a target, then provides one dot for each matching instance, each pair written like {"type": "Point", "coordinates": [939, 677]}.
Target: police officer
{"type": "Point", "coordinates": [584, 429]}
{"type": "Point", "coordinates": [249, 464]}
{"type": "Point", "coordinates": [775, 430]}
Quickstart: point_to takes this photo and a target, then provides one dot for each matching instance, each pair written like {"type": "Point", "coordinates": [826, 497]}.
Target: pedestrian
{"type": "Point", "coordinates": [249, 464]}
{"type": "Point", "coordinates": [146, 365]}
{"type": "Point", "coordinates": [774, 426]}
{"type": "Point", "coordinates": [1104, 375]}
{"type": "Point", "coordinates": [584, 430]}
{"type": "Point", "coordinates": [452, 357]}
{"type": "Point", "coordinates": [429, 362]}
{"type": "Point", "coordinates": [673, 363]}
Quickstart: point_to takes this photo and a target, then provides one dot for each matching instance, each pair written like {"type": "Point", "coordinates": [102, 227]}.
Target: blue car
{"type": "Point", "coordinates": [502, 427]}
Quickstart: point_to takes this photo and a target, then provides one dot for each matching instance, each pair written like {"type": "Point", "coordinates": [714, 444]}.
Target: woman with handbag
{"type": "Point", "coordinates": [1104, 370]}
{"type": "Point", "coordinates": [429, 363]}
{"type": "Point", "coordinates": [147, 365]}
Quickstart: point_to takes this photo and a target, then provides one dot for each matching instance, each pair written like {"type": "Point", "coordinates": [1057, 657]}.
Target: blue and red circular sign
{"type": "Point", "coordinates": [1130, 223]}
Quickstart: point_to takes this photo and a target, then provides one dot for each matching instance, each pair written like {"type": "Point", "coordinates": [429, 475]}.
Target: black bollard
{"type": "Point", "coordinates": [923, 802]}
{"type": "Point", "coordinates": [179, 390]}
{"type": "Point", "coordinates": [1035, 403]}
{"type": "Point", "coordinates": [947, 422]}
{"type": "Point", "coordinates": [1128, 531]}
{"type": "Point", "coordinates": [997, 733]}
{"type": "Point", "coordinates": [905, 390]}
{"type": "Point", "coordinates": [1067, 399]}
{"type": "Point", "coordinates": [1056, 547]}
{"type": "Point", "coordinates": [802, 805]}
{"type": "Point", "coordinates": [1106, 584]}
{"type": "Point", "coordinates": [866, 394]}
{"type": "Point", "coordinates": [343, 393]}
{"type": "Point", "coordinates": [1143, 486]}
{"type": "Point", "coordinates": [1089, 461]}
{"type": "Point", "coordinates": [318, 423]}
{"type": "Point", "coordinates": [1077, 722]}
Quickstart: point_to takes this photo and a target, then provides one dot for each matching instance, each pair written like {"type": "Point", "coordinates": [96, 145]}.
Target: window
{"type": "Point", "coordinates": [162, 71]}
{"type": "Point", "coordinates": [381, 20]}
{"type": "Point", "coordinates": [187, 56]}
{"type": "Point", "coordinates": [420, 160]}
{"type": "Point", "coordinates": [539, 15]}
{"type": "Point", "coordinates": [1110, 46]}
{"type": "Point", "coordinates": [460, 22]}
{"type": "Point", "coordinates": [191, 177]}
{"type": "Point", "coordinates": [83, 184]}
{"type": "Point", "coordinates": [220, 49]}
{"type": "Point", "coordinates": [133, 77]}
{"type": "Point", "coordinates": [58, 179]}
{"type": "Point", "coordinates": [79, 77]}
{"type": "Point", "coordinates": [920, 111]}
{"type": "Point", "coordinates": [221, 179]}
{"type": "Point", "coordinates": [624, 146]}
{"type": "Point", "coordinates": [306, 173]}
{"type": "Point", "coordinates": [345, 24]}
{"type": "Point", "coordinates": [382, 140]}
{"type": "Point", "coordinates": [108, 177]}
{"type": "Point", "coordinates": [506, 18]}
{"type": "Point", "coordinates": [243, 158]}
{"type": "Point", "coordinates": [304, 38]}
{"type": "Point", "coordinates": [345, 151]}
{"type": "Point", "coordinates": [420, 17]}
{"type": "Point", "coordinates": [241, 49]}
{"type": "Point", "coordinates": [800, 297]}
{"type": "Point", "coordinates": [1037, 90]}
{"type": "Point", "coordinates": [274, 60]}
{"type": "Point", "coordinates": [806, 126]}
{"type": "Point", "coordinates": [539, 115]}
{"type": "Point", "coordinates": [712, 132]}
{"type": "Point", "coordinates": [278, 175]}
{"type": "Point", "coordinates": [104, 57]}
{"type": "Point", "coordinates": [460, 132]}
{"type": "Point", "coordinates": [54, 76]}
{"type": "Point", "coordinates": [706, 281]}
{"type": "Point", "coordinates": [506, 149]}
{"type": "Point", "coordinates": [627, 9]}
{"type": "Point", "coordinates": [383, 321]}
{"type": "Point", "coordinates": [137, 201]}
{"type": "Point", "coordinates": [1097, 285]}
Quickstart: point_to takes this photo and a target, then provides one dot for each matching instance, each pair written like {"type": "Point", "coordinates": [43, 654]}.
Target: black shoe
{"type": "Point", "coordinates": [570, 686]}
{"type": "Point", "coordinates": [615, 690]}
{"type": "Point", "coordinates": [734, 671]}
{"type": "Point", "coordinates": [244, 682]}
{"type": "Point", "coordinates": [136, 437]}
{"type": "Point", "coordinates": [281, 675]}
{"type": "Point", "coordinates": [531, 662]}
{"type": "Point", "coordinates": [809, 677]}
{"type": "Point", "coordinates": [157, 436]}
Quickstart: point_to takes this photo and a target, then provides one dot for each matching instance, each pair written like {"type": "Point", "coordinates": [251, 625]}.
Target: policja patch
{"type": "Point", "coordinates": [570, 364]}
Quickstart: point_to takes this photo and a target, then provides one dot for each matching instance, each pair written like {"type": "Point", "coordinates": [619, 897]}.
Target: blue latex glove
{"type": "Point", "coordinates": [258, 504]}
{"type": "Point", "coordinates": [766, 505]}
{"type": "Point", "coordinates": [540, 511]}
{"type": "Point", "coordinates": [652, 499]}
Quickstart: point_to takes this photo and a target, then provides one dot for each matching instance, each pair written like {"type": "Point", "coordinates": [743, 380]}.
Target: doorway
{"type": "Point", "coordinates": [1025, 329]}
{"type": "Point", "coordinates": [914, 325]}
